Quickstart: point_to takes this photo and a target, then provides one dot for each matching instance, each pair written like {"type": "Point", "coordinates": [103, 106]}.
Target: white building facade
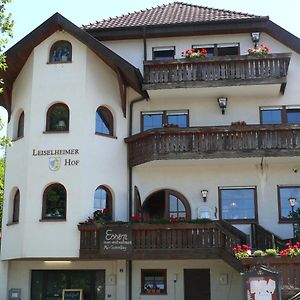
{"type": "Point", "coordinates": [112, 118]}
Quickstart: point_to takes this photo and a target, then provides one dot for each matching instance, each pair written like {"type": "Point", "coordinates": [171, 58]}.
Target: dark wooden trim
{"type": "Point", "coordinates": [106, 135]}
{"type": "Point", "coordinates": [168, 192]}
{"type": "Point", "coordinates": [122, 89]}
{"type": "Point", "coordinates": [163, 47]}
{"type": "Point", "coordinates": [57, 44]}
{"type": "Point", "coordinates": [111, 122]}
{"type": "Point", "coordinates": [182, 29]}
{"type": "Point", "coordinates": [214, 142]}
{"type": "Point", "coordinates": [44, 207]}
{"type": "Point", "coordinates": [20, 131]}
{"type": "Point", "coordinates": [48, 116]}
{"type": "Point", "coordinates": [164, 117]}
{"type": "Point", "coordinates": [238, 221]}
{"type": "Point", "coordinates": [109, 202]}
{"type": "Point", "coordinates": [282, 220]}
{"type": "Point", "coordinates": [55, 23]}
{"type": "Point", "coordinates": [16, 207]}
{"type": "Point", "coordinates": [164, 273]}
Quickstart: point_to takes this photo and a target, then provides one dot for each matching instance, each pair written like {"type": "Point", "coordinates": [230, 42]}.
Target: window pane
{"type": "Point", "coordinates": [176, 119]}
{"type": "Point", "coordinates": [155, 279]}
{"type": "Point", "coordinates": [284, 195]}
{"type": "Point", "coordinates": [152, 121]}
{"type": "Point", "coordinates": [238, 204]}
{"type": "Point", "coordinates": [20, 132]}
{"type": "Point", "coordinates": [59, 118]}
{"type": "Point", "coordinates": [56, 202]}
{"type": "Point", "coordinates": [163, 54]}
{"type": "Point", "coordinates": [293, 116]}
{"type": "Point", "coordinates": [103, 122]}
{"type": "Point", "coordinates": [272, 116]}
{"type": "Point", "coordinates": [61, 52]}
{"type": "Point", "coordinates": [100, 199]}
{"type": "Point", "coordinates": [233, 50]}
{"type": "Point", "coordinates": [173, 203]}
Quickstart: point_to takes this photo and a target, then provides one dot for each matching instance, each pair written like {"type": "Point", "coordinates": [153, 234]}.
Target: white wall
{"type": "Point", "coordinates": [189, 177]}
{"type": "Point", "coordinates": [83, 85]}
{"type": "Point", "coordinates": [175, 291]}
{"type": "Point", "coordinates": [20, 274]}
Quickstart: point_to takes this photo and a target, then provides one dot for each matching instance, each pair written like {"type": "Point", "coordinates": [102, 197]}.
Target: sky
{"type": "Point", "coordinates": [28, 14]}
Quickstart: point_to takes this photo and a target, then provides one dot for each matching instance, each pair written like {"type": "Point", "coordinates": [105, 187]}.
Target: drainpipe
{"type": "Point", "coordinates": [130, 191]}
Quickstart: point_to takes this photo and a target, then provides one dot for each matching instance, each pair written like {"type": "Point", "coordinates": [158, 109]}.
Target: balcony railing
{"type": "Point", "coordinates": [216, 71]}
{"type": "Point", "coordinates": [214, 142]}
{"type": "Point", "coordinates": [169, 241]}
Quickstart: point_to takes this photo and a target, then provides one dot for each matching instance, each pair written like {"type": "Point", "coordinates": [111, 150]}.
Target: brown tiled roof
{"type": "Point", "coordinates": [172, 13]}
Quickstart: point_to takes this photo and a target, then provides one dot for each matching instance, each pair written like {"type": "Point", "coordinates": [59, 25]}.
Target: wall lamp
{"type": "Point", "coordinates": [255, 36]}
{"type": "Point", "coordinates": [204, 194]}
{"type": "Point", "coordinates": [222, 103]}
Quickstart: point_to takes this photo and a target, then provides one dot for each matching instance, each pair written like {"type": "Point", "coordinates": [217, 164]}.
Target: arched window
{"type": "Point", "coordinates": [20, 132]}
{"type": "Point", "coordinates": [61, 51]}
{"type": "Point", "coordinates": [54, 202]}
{"type": "Point", "coordinates": [104, 121]}
{"type": "Point", "coordinates": [103, 199]}
{"type": "Point", "coordinates": [166, 204]}
{"type": "Point", "coordinates": [58, 118]}
{"type": "Point", "coordinates": [16, 207]}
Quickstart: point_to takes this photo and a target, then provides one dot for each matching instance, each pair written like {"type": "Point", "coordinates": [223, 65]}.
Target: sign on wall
{"type": "Point", "coordinates": [57, 157]}
{"type": "Point", "coordinates": [115, 241]}
{"type": "Point", "coordinates": [262, 284]}
{"type": "Point", "coordinates": [72, 294]}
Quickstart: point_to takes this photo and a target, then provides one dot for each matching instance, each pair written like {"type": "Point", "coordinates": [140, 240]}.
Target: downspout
{"type": "Point", "coordinates": [130, 191]}
{"type": "Point", "coordinates": [130, 168]}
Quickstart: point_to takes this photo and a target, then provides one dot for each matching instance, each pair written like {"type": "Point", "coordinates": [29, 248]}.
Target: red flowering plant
{"type": "Point", "coordinates": [136, 219]}
{"type": "Point", "coordinates": [262, 50]}
{"type": "Point", "coordinates": [100, 216]}
{"type": "Point", "coordinates": [191, 53]}
{"type": "Point", "coordinates": [177, 219]}
{"type": "Point", "coordinates": [241, 251]}
{"type": "Point", "coordinates": [291, 250]}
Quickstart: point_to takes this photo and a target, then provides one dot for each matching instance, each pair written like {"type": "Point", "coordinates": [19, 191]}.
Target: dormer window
{"type": "Point", "coordinates": [163, 53]}
{"type": "Point", "coordinates": [219, 49]}
{"type": "Point", "coordinates": [61, 52]}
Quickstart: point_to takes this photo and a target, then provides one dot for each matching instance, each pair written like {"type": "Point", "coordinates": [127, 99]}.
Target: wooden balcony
{"type": "Point", "coordinates": [212, 240]}
{"type": "Point", "coordinates": [234, 70]}
{"type": "Point", "coordinates": [213, 142]}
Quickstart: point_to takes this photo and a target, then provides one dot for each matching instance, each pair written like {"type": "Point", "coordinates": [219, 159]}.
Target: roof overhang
{"type": "Point", "coordinates": [17, 56]}
{"type": "Point", "coordinates": [262, 24]}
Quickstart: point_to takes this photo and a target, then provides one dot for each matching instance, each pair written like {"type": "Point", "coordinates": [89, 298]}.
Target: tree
{"type": "Point", "coordinates": [6, 27]}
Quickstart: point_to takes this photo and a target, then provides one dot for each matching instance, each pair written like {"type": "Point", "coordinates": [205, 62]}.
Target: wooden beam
{"type": "Point", "coordinates": [122, 88]}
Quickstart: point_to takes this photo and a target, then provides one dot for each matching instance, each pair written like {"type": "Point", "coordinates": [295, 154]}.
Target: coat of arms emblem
{"type": "Point", "coordinates": [54, 163]}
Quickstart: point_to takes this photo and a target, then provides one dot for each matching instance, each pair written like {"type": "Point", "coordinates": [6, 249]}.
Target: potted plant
{"type": "Point", "coordinates": [262, 50]}
{"type": "Point", "coordinates": [192, 53]}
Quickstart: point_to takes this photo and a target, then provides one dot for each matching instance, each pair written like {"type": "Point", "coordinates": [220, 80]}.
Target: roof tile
{"type": "Point", "coordinates": [172, 13]}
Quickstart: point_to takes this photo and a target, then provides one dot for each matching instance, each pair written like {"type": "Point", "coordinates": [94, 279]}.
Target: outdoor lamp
{"type": "Point", "coordinates": [222, 103]}
{"type": "Point", "coordinates": [204, 194]}
{"type": "Point", "coordinates": [255, 36]}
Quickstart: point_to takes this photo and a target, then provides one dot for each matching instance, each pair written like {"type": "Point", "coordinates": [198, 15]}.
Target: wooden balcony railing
{"type": "Point", "coordinates": [169, 241]}
{"type": "Point", "coordinates": [213, 142]}
{"type": "Point", "coordinates": [263, 239]}
{"type": "Point", "coordinates": [216, 71]}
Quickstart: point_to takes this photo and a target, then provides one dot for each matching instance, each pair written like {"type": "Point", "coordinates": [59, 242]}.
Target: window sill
{"type": "Point", "coordinates": [153, 294]}
{"type": "Point", "coordinates": [106, 135]}
{"type": "Point", "coordinates": [17, 138]}
{"type": "Point", "coordinates": [55, 131]}
{"type": "Point", "coordinates": [287, 221]}
{"type": "Point", "coordinates": [53, 220]}
{"type": "Point", "coordinates": [241, 221]}
{"type": "Point", "coordinates": [59, 62]}
{"type": "Point", "coordinates": [12, 223]}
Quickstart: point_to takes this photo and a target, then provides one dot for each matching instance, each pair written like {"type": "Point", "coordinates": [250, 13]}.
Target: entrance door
{"type": "Point", "coordinates": [196, 284]}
